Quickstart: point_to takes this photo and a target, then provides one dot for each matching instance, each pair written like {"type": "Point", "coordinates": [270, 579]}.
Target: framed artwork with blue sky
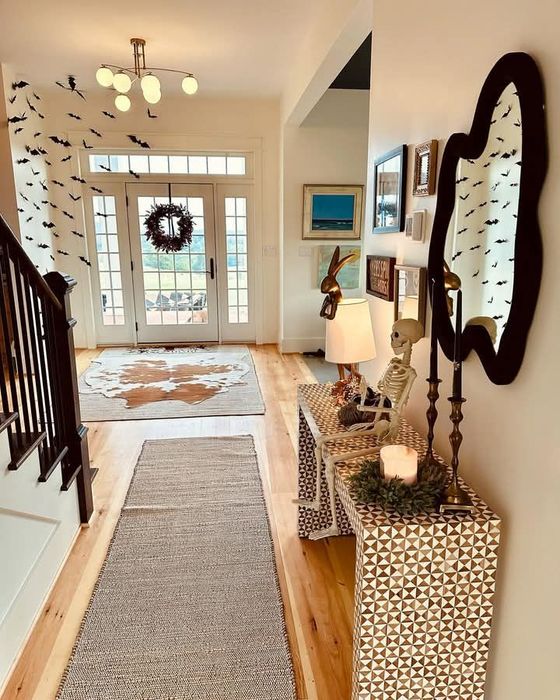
{"type": "Point", "coordinates": [332, 212]}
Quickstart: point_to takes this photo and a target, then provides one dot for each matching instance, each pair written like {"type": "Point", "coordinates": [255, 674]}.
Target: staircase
{"type": "Point", "coordinates": [45, 476]}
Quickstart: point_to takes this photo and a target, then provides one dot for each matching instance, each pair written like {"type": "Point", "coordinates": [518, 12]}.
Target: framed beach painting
{"type": "Point", "coordinates": [332, 212]}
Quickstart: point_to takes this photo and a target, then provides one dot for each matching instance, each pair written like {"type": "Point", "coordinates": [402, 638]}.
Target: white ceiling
{"type": "Point", "coordinates": [246, 47]}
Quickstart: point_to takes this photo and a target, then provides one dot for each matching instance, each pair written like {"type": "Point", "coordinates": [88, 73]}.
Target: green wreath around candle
{"type": "Point", "coordinates": [179, 235]}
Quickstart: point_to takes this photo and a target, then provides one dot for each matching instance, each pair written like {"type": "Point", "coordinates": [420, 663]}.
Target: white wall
{"type": "Point", "coordinates": [329, 148]}
{"type": "Point", "coordinates": [427, 71]}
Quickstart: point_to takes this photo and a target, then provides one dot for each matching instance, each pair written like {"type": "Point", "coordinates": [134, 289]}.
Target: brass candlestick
{"type": "Point", "coordinates": [454, 497]}
{"type": "Point", "coordinates": [431, 415]}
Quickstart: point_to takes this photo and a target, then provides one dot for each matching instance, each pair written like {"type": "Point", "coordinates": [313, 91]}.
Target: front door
{"type": "Point", "coordinates": [175, 294]}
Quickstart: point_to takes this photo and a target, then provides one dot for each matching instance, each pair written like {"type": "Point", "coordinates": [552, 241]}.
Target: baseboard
{"type": "Point", "coordinates": [288, 345]}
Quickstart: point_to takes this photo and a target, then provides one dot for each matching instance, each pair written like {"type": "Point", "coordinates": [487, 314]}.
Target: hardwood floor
{"type": "Point", "coordinates": [317, 578]}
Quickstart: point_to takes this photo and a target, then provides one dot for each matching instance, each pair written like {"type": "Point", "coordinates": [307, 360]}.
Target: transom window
{"type": "Point", "coordinates": [189, 164]}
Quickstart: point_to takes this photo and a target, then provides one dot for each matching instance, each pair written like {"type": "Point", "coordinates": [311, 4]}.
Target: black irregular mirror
{"type": "Point", "coordinates": [486, 231]}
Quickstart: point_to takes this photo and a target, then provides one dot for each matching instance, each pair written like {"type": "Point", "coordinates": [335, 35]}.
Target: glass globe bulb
{"type": "Point", "coordinates": [152, 97]}
{"type": "Point", "coordinates": [150, 84]}
{"type": "Point", "coordinates": [122, 82]}
{"type": "Point", "coordinates": [122, 103]}
{"type": "Point", "coordinates": [190, 84]}
{"type": "Point", "coordinates": [104, 76]}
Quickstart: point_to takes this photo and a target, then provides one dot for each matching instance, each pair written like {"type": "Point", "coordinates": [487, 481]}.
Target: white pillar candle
{"type": "Point", "coordinates": [401, 461]}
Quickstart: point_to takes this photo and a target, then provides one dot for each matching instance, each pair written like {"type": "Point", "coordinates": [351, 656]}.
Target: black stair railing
{"type": "Point", "coordinates": [38, 382]}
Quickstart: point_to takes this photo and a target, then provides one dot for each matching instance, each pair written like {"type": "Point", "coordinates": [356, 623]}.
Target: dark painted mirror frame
{"type": "Point", "coordinates": [501, 366]}
{"type": "Point", "coordinates": [402, 154]}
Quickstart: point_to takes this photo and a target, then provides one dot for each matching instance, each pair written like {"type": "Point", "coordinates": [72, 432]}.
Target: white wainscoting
{"type": "Point", "coordinates": [38, 524]}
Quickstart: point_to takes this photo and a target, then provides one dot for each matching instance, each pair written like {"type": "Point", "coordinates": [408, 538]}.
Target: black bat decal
{"type": "Point", "coordinates": [36, 96]}
{"type": "Point", "coordinates": [501, 240]}
{"type": "Point", "coordinates": [18, 130]}
{"type": "Point", "coordinates": [29, 184]}
{"type": "Point", "coordinates": [104, 167]}
{"type": "Point", "coordinates": [491, 300]}
{"type": "Point", "coordinates": [494, 154]}
{"type": "Point", "coordinates": [12, 99]}
{"type": "Point", "coordinates": [505, 174]}
{"type": "Point", "coordinates": [461, 179]}
{"type": "Point", "coordinates": [48, 163]}
{"type": "Point", "coordinates": [51, 257]}
{"type": "Point", "coordinates": [506, 205]}
{"type": "Point", "coordinates": [493, 121]}
{"type": "Point", "coordinates": [507, 112]}
{"type": "Point", "coordinates": [476, 273]}
{"type": "Point", "coordinates": [44, 186]}
{"type": "Point", "coordinates": [74, 116]}
{"type": "Point", "coordinates": [486, 165]}
{"type": "Point", "coordinates": [61, 142]}
{"type": "Point", "coordinates": [57, 182]}
{"type": "Point", "coordinates": [514, 184]}
{"type": "Point", "coordinates": [487, 251]}
{"type": "Point", "coordinates": [494, 201]}
{"type": "Point", "coordinates": [62, 252]}
{"type": "Point", "coordinates": [152, 116]}
{"type": "Point", "coordinates": [77, 233]}
{"type": "Point", "coordinates": [73, 198]}
{"type": "Point", "coordinates": [48, 224]}
{"type": "Point", "coordinates": [67, 214]}
{"type": "Point", "coordinates": [462, 231]}
{"type": "Point", "coordinates": [66, 158]}
{"type": "Point", "coordinates": [21, 210]}
{"type": "Point", "coordinates": [464, 196]}
{"type": "Point", "coordinates": [509, 154]}
{"type": "Point", "coordinates": [480, 182]}
{"type": "Point", "coordinates": [474, 247]}
{"type": "Point", "coordinates": [29, 238]}
{"type": "Point", "coordinates": [501, 282]}
{"type": "Point", "coordinates": [85, 260]}
{"type": "Point", "coordinates": [498, 317]}
{"type": "Point", "coordinates": [96, 133]}
{"type": "Point", "coordinates": [72, 86]}
{"type": "Point", "coordinates": [43, 245]}
{"type": "Point", "coordinates": [45, 201]}
{"type": "Point", "coordinates": [37, 206]}
{"type": "Point", "coordinates": [17, 119]}
{"type": "Point", "coordinates": [99, 213]}
{"type": "Point", "coordinates": [53, 205]}
{"type": "Point", "coordinates": [22, 161]}
{"type": "Point", "coordinates": [29, 218]}
{"type": "Point", "coordinates": [85, 144]}
{"type": "Point", "coordinates": [499, 138]}
{"type": "Point", "coordinates": [34, 109]}
{"type": "Point", "coordinates": [96, 189]}
{"type": "Point", "coordinates": [39, 151]}
{"type": "Point", "coordinates": [56, 235]}
{"type": "Point", "coordinates": [457, 254]}
{"type": "Point", "coordinates": [142, 144]}
{"type": "Point", "coordinates": [19, 85]}
{"type": "Point", "coordinates": [495, 265]}
{"type": "Point", "coordinates": [108, 114]}
{"type": "Point", "coordinates": [482, 230]}
{"type": "Point", "coordinates": [472, 211]}
{"type": "Point", "coordinates": [23, 197]}
{"type": "Point", "coordinates": [472, 162]}
{"type": "Point", "coordinates": [134, 174]}
{"type": "Point", "coordinates": [492, 222]}
{"type": "Point", "coordinates": [35, 172]}
{"type": "Point", "coordinates": [517, 122]}
{"type": "Point", "coordinates": [485, 282]}
{"type": "Point", "coordinates": [37, 134]}
{"type": "Point", "coordinates": [508, 301]}
{"type": "Point", "coordinates": [495, 187]}
{"type": "Point", "coordinates": [78, 179]}
{"type": "Point", "coordinates": [511, 259]}
{"type": "Point", "coordinates": [482, 204]}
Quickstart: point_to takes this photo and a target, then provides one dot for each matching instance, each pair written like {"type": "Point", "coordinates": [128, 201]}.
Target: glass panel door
{"type": "Point", "coordinates": [175, 293]}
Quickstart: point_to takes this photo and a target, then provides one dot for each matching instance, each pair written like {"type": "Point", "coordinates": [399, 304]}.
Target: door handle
{"type": "Point", "coordinates": [211, 270]}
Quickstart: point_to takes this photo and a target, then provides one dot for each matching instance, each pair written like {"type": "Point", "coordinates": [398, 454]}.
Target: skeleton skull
{"type": "Point", "coordinates": [405, 333]}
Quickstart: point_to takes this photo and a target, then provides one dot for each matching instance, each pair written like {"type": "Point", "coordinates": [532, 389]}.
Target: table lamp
{"type": "Point", "coordinates": [349, 336]}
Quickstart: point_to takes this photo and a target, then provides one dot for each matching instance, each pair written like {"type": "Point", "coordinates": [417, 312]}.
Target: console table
{"type": "Point", "coordinates": [424, 584]}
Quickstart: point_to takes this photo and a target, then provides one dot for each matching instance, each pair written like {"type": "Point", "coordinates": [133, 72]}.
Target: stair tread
{"type": "Point", "coordinates": [6, 419]}
{"type": "Point", "coordinates": [23, 447]}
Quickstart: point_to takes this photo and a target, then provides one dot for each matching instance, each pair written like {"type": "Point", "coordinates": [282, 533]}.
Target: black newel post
{"type": "Point", "coordinates": [76, 465]}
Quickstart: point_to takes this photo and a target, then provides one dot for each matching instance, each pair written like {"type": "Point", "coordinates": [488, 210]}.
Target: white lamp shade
{"type": "Point", "coordinates": [349, 336]}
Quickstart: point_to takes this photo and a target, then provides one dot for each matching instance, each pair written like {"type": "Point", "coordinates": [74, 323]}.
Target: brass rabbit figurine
{"type": "Point", "coordinates": [330, 286]}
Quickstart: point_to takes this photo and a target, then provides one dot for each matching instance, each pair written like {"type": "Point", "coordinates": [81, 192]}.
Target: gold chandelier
{"type": "Point", "coordinates": [122, 79]}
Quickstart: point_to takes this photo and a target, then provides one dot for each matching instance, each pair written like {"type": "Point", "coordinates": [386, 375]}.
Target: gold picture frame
{"type": "Point", "coordinates": [425, 166]}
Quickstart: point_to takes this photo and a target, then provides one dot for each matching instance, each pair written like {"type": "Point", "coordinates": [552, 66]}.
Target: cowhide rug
{"type": "Point", "coordinates": [131, 384]}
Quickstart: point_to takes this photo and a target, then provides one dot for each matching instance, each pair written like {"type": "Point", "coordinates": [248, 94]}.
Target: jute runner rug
{"type": "Point", "coordinates": [187, 605]}
{"type": "Point", "coordinates": [132, 384]}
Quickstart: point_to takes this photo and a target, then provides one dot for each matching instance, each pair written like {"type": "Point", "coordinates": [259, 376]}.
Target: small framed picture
{"type": "Point", "coordinates": [332, 212]}
{"type": "Point", "coordinates": [380, 273]}
{"type": "Point", "coordinates": [425, 165]}
{"type": "Point", "coordinates": [410, 293]}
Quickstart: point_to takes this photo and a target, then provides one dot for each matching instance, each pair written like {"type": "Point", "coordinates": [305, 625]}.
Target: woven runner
{"type": "Point", "coordinates": [187, 605]}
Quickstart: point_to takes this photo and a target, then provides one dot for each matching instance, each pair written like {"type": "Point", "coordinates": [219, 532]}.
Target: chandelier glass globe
{"type": "Point", "coordinates": [104, 76]}
{"type": "Point", "coordinates": [122, 82]}
{"type": "Point", "coordinates": [190, 84]}
{"type": "Point", "coordinates": [122, 103]}
{"type": "Point", "coordinates": [150, 84]}
{"type": "Point", "coordinates": [152, 97]}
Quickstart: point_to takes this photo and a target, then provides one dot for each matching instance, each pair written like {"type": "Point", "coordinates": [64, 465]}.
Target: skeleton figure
{"type": "Point", "coordinates": [395, 384]}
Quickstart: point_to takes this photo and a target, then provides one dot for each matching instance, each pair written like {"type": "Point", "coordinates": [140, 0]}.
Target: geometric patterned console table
{"type": "Point", "coordinates": [424, 584]}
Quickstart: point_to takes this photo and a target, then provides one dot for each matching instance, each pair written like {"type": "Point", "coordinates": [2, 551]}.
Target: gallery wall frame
{"type": "Point", "coordinates": [425, 167]}
{"type": "Point", "coordinates": [332, 212]}
{"type": "Point", "coordinates": [389, 195]}
{"type": "Point", "coordinates": [380, 276]}
{"type": "Point", "coordinates": [410, 293]}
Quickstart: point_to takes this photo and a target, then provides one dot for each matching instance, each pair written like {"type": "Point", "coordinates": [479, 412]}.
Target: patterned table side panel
{"type": "Point", "coordinates": [424, 600]}
{"type": "Point", "coordinates": [310, 520]}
